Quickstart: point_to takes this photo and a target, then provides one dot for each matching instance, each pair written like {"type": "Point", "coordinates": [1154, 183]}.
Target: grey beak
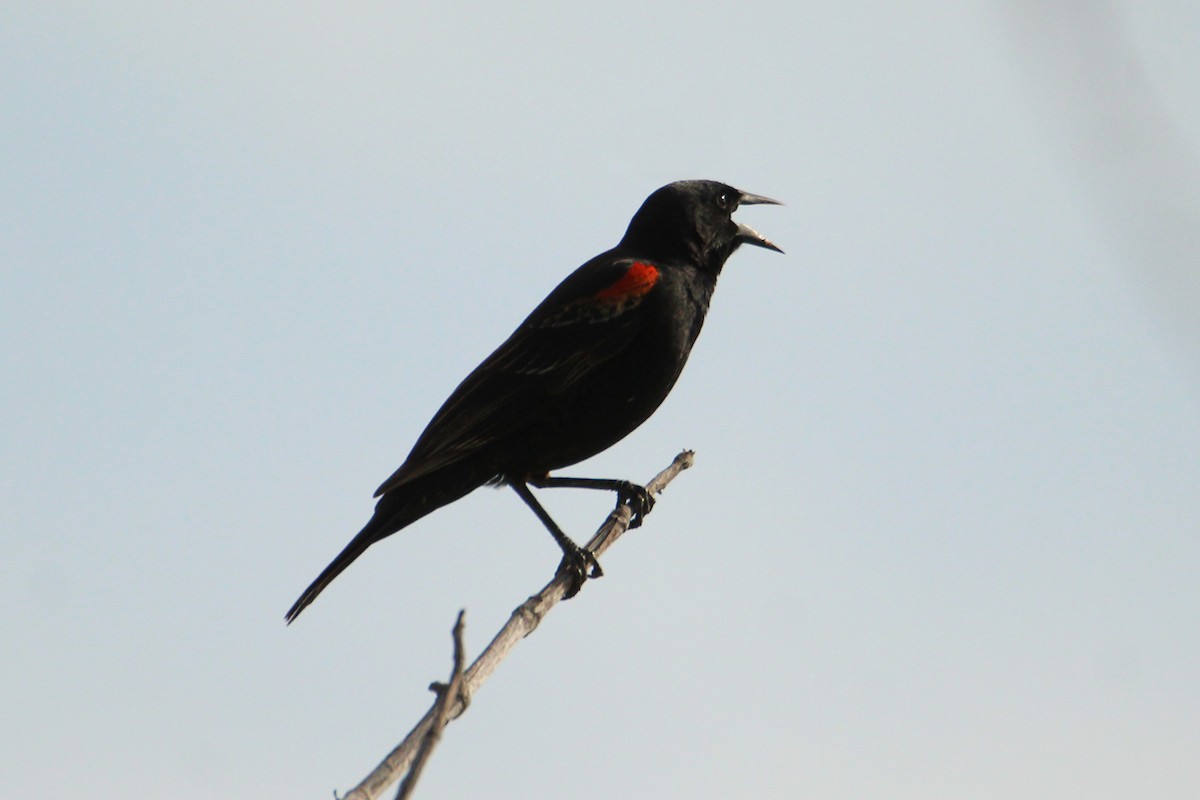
{"type": "Point", "coordinates": [748, 199]}
{"type": "Point", "coordinates": [746, 234]}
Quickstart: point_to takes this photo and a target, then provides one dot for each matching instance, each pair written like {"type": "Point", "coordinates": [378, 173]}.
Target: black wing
{"type": "Point", "coordinates": [591, 317]}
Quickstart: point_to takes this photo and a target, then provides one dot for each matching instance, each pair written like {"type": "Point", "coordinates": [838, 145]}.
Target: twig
{"type": "Point", "coordinates": [441, 713]}
{"type": "Point", "coordinates": [524, 619]}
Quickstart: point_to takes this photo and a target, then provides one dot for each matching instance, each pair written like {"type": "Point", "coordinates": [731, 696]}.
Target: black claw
{"type": "Point", "coordinates": [639, 500]}
{"type": "Point", "coordinates": [578, 565]}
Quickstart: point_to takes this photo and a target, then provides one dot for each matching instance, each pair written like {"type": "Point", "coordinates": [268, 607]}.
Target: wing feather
{"type": "Point", "coordinates": [589, 319]}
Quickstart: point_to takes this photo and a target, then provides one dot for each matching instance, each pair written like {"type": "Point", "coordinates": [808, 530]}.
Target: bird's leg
{"type": "Point", "coordinates": [577, 563]}
{"type": "Point", "coordinates": [639, 500]}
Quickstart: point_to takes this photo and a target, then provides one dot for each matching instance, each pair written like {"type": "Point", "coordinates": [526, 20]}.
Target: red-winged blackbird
{"type": "Point", "coordinates": [586, 368]}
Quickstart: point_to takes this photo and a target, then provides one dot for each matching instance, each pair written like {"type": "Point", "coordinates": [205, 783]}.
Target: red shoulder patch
{"type": "Point", "coordinates": [637, 280]}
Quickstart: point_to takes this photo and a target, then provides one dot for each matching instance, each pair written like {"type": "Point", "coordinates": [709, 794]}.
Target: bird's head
{"type": "Point", "coordinates": [693, 221]}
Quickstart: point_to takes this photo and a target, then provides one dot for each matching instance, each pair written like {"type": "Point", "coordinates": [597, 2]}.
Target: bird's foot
{"type": "Point", "coordinates": [578, 565]}
{"type": "Point", "coordinates": [639, 500]}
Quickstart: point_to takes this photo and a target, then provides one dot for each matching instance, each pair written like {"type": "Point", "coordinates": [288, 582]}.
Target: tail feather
{"type": "Point", "coordinates": [358, 545]}
{"type": "Point", "coordinates": [395, 510]}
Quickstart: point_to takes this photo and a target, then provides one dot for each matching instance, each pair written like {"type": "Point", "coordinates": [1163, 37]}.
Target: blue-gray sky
{"type": "Point", "coordinates": [941, 537]}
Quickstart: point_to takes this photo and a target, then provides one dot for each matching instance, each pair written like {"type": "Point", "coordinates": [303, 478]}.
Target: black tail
{"type": "Point", "coordinates": [397, 509]}
{"type": "Point", "coordinates": [394, 511]}
{"type": "Point", "coordinates": [358, 545]}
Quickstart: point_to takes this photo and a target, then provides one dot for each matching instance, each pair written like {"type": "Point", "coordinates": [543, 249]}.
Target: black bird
{"type": "Point", "coordinates": [588, 366]}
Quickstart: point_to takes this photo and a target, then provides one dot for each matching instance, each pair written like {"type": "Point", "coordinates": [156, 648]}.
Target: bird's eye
{"type": "Point", "coordinates": [726, 201]}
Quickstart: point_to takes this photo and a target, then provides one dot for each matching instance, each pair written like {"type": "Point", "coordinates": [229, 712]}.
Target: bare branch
{"type": "Point", "coordinates": [523, 620]}
{"type": "Point", "coordinates": [441, 713]}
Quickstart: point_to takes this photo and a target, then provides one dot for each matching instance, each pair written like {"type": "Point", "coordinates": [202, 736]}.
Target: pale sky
{"type": "Point", "coordinates": [941, 538]}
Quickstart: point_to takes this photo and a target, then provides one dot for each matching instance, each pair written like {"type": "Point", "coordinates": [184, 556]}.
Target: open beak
{"type": "Point", "coordinates": [746, 234]}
